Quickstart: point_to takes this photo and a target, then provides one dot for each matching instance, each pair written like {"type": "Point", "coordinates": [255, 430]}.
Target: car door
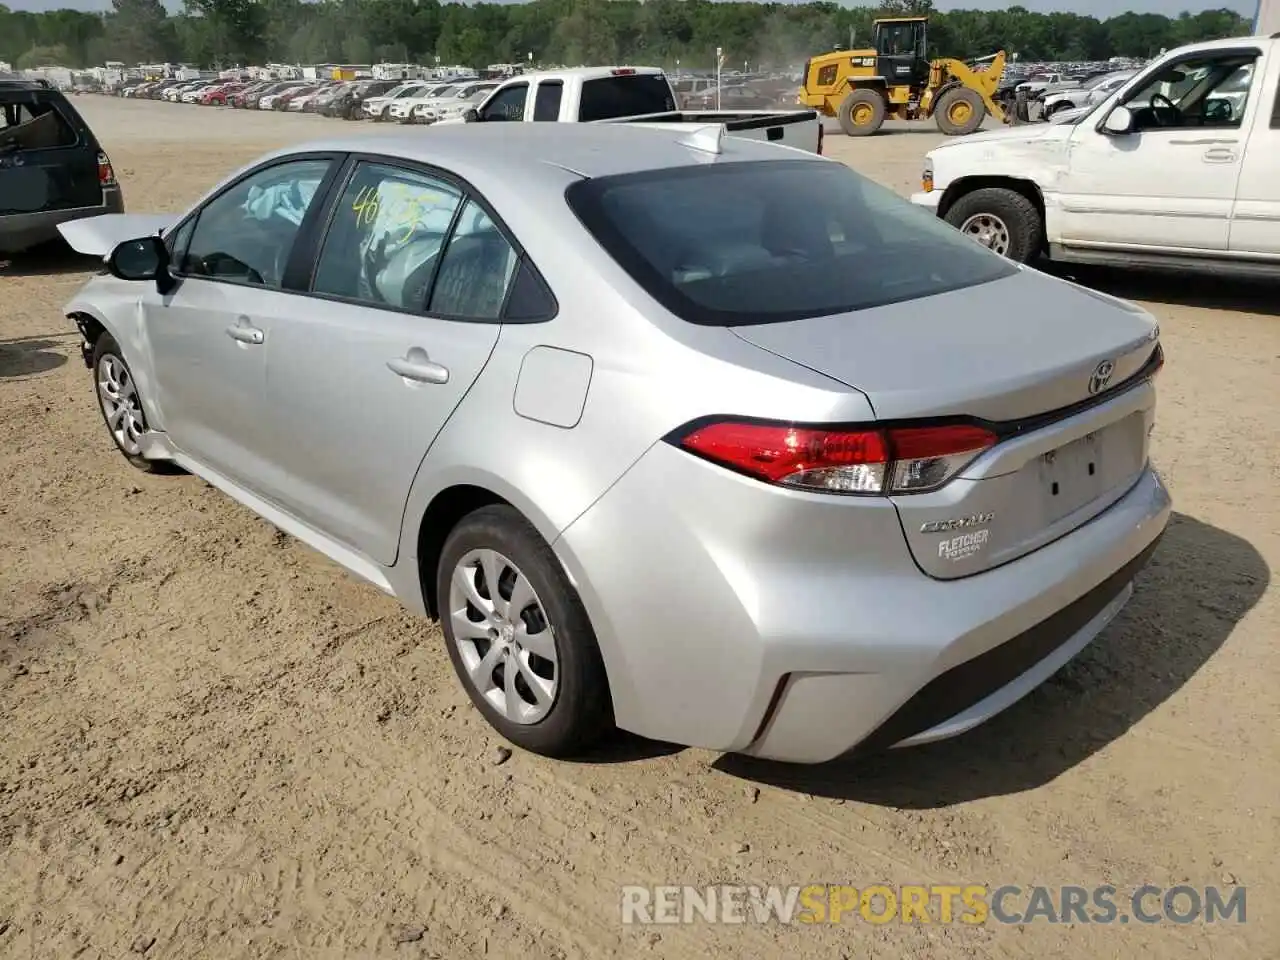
{"type": "Point", "coordinates": [1170, 182]}
{"type": "Point", "coordinates": [1255, 218]}
{"type": "Point", "coordinates": [208, 336]}
{"type": "Point", "coordinates": [407, 292]}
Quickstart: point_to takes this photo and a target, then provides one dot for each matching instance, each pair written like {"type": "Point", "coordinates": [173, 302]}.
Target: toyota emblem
{"type": "Point", "coordinates": [1101, 376]}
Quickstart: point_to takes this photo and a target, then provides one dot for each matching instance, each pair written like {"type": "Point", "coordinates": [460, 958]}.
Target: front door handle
{"type": "Point", "coordinates": [244, 332]}
{"type": "Point", "coordinates": [416, 365]}
{"type": "Point", "coordinates": [1220, 155]}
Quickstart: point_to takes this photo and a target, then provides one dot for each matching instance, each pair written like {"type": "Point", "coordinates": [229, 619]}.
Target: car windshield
{"type": "Point", "coordinates": [728, 244]}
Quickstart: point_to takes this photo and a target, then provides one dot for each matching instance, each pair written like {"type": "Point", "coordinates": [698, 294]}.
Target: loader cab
{"type": "Point", "coordinates": [902, 56]}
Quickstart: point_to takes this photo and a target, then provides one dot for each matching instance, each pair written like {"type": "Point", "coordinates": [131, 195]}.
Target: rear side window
{"type": "Point", "coordinates": [546, 102]}
{"type": "Point", "coordinates": [728, 244]}
{"type": "Point", "coordinates": [27, 124]}
{"type": "Point", "coordinates": [607, 98]}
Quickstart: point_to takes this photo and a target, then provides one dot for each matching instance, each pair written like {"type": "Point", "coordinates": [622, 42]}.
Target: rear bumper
{"type": "Point", "coordinates": [738, 617]}
{"type": "Point", "coordinates": [21, 231]}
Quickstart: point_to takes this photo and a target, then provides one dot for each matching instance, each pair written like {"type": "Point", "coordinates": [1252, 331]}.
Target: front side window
{"type": "Point", "coordinates": [507, 104]}
{"type": "Point", "coordinates": [382, 244]}
{"type": "Point", "coordinates": [1206, 91]}
{"type": "Point", "coordinates": [246, 234]}
{"type": "Point", "coordinates": [761, 242]}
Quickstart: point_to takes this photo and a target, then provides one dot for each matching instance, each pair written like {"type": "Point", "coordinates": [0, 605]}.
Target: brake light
{"type": "Point", "coordinates": [623, 72]}
{"type": "Point", "coordinates": [871, 461]}
{"type": "Point", "coordinates": [106, 175]}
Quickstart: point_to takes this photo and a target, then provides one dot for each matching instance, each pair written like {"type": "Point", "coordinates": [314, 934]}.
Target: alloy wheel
{"type": "Point", "coordinates": [120, 405]}
{"type": "Point", "coordinates": [504, 636]}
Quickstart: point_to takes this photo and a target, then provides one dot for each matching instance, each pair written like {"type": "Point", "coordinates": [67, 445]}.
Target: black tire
{"type": "Point", "coordinates": [581, 713]}
{"type": "Point", "coordinates": [968, 108]}
{"type": "Point", "coordinates": [105, 347]}
{"type": "Point", "coordinates": [1020, 217]}
{"type": "Point", "coordinates": [861, 113]}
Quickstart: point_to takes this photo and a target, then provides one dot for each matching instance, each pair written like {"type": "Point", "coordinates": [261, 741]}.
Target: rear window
{"type": "Point", "coordinates": [32, 123]}
{"type": "Point", "coordinates": [730, 244]}
{"type": "Point", "coordinates": [606, 98]}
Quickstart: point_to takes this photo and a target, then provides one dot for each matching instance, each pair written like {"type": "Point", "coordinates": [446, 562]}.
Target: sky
{"type": "Point", "coordinates": [1097, 8]}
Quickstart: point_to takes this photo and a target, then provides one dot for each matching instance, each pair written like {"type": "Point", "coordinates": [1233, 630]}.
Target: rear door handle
{"type": "Point", "coordinates": [416, 365]}
{"type": "Point", "coordinates": [245, 332]}
{"type": "Point", "coordinates": [1219, 155]}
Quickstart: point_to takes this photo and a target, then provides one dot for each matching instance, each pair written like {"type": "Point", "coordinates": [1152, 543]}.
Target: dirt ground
{"type": "Point", "coordinates": [215, 743]}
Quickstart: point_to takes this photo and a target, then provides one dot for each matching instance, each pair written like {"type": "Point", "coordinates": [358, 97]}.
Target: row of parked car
{"type": "Point", "coordinates": [403, 101]}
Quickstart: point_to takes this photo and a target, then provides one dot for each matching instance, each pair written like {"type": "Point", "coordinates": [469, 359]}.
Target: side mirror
{"type": "Point", "coordinates": [470, 115]}
{"type": "Point", "coordinates": [1219, 109]}
{"type": "Point", "coordinates": [1119, 122]}
{"type": "Point", "coordinates": [146, 258]}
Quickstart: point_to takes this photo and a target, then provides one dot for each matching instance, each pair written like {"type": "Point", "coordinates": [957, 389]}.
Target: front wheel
{"type": "Point", "coordinates": [1002, 220]}
{"type": "Point", "coordinates": [960, 111]}
{"type": "Point", "coordinates": [121, 403]}
{"type": "Point", "coordinates": [519, 637]}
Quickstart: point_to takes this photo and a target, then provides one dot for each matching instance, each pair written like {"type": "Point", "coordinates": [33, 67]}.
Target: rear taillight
{"type": "Point", "coordinates": [862, 461]}
{"type": "Point", "coordinates": [106, 175]}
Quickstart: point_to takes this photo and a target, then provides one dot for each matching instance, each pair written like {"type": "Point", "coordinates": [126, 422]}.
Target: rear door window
{"type": "Point", "coordinates": [546, 103]}
{"type": "Point", "coordinates": [32, 124]}
{"type": "Point", "coordinates": [385, 237]}
{"type": "Point", "coordinates": [627, 95]}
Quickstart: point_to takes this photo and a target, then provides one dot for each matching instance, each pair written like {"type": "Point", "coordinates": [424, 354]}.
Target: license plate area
{"type": "Point", "coordinates": [1075, 474]}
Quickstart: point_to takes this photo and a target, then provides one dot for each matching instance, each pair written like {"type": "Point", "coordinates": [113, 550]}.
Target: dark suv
{"type": "Point", "coordinates": [51, 167]}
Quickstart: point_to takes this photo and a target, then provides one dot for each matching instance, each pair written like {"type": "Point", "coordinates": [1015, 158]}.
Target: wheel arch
{"type": "Point", "coordinates": [966, 185]}
{"type": "Point", "coordinates": [427, 526]}
{"type": "Point", "coordinates": [91, 329]}
{"type": "Point", "coordinates": [446, 508]}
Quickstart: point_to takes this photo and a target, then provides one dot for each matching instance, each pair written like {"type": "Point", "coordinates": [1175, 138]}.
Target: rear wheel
{"type": "Point", "coordinates": [960, 111]}
{"type": "Point", "coordinates": [518, 636]}
{"type": "Point", "coordinates": [861, 113]}
{"type": "Point", "coordinates": [1002, 220]}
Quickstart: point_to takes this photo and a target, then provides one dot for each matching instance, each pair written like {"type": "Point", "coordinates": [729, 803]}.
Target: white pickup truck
{"type": "Point", "coordinates": [1176, 169]}
{"type": "Point", "coordinates": [631, 95]}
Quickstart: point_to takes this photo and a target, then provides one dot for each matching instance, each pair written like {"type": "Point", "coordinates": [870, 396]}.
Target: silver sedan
{"type": "Point", "coordinates": [704, 438]}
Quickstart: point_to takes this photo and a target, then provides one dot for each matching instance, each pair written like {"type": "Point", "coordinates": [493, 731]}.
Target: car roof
{"type": "Point", "coordinates": [24, 85]}
{"type": "Point", "coordinates": [517, 151]}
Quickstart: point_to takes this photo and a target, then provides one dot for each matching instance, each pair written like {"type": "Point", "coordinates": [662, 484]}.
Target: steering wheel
{"type": "Point", "coordinates": [1173, 108]}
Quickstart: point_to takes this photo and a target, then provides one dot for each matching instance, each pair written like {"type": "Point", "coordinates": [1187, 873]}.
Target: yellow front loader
{"type": "Point", "coordinates": [896, 80]}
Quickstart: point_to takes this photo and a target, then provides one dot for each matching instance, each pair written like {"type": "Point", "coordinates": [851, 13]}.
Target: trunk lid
{"type": "Point", "coordinates": [1039, 359]}
{"type": "Point", "coordinates": [48, 158]}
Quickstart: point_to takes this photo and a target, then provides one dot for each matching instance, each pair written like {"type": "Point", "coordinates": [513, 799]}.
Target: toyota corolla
{"type": "Point", "coordinates": [702, 437]}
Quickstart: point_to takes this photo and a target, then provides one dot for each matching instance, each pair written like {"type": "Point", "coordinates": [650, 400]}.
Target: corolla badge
{"type": "Point", "coordinates": [1101, 376]}
{"type": "Point", "coordinates": [958, 523]}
